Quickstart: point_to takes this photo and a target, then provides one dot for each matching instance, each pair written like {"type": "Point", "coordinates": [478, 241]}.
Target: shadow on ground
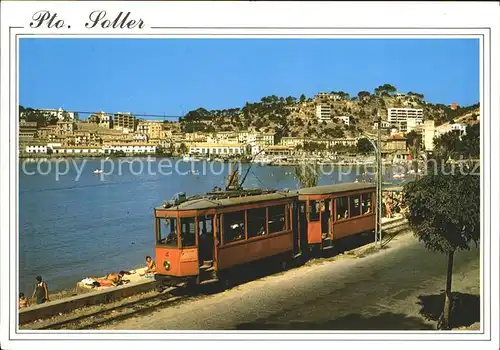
{"type": "Point", "coordinates": [384, 321]}
{"type": "Point", "coordinates": [465, 308]}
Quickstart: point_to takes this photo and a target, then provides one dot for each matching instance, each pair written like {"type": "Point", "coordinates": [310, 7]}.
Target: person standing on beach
{"type": "Point", "coordinates": [41, 291]}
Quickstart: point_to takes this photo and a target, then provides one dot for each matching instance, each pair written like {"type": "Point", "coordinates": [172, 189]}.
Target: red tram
{"type": "Point", "coordinates": [198, 239]}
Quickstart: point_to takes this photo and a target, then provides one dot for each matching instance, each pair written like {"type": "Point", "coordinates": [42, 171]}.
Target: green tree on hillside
{"type": "Point", "coordinates": [385, 90]}
{"type": "Point", "coordinates": [444, 213]}
{"type": "Point", "coordinates": [302, 98]}
{"type": "Point", "coordinates": [363, 94]}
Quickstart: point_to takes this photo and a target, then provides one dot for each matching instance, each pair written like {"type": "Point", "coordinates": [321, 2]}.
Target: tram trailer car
{"type": "Point", "coordinates": [331, 212]}
{"type": "Point", "coordinates": [201, 239]}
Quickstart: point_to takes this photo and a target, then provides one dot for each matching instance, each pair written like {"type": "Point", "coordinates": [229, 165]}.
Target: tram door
{"type": "Point", "coordinates": [302, 219]}
{"type": "Point", "coordinates": [206, 238]}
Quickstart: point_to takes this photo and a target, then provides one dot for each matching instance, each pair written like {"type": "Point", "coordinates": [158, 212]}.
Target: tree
{"type": "Point", "coordinates": [364, 146]}
{"type": "Point", "coordinates": [307, 174]}
{"type": "Point", "coordinates": [302, 98]}
{"type": "Point", "coordinates": [363, 94]}
{"type": "Point", "coordinates": [413, 143]}
{"type": "Point", "coordinates": [470, 141]}
{"type": "Point", "coordinates": [385, 90]}
{"type": "Point", "coordinates": [444, 213]}
{"type": "Point", "coordinates": [183, 148]}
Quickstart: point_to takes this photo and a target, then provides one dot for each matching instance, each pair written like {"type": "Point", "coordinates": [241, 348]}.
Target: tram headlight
{"type": "Point", "coordinates": [166, 264]}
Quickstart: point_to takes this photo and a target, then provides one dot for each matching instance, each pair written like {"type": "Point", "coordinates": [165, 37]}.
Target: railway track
{"type": "Point", "coordinates": [98, 316]}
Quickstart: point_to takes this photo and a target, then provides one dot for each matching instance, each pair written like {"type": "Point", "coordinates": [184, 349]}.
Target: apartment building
{"type": "Point", "coordinates": [105, 120]}
{"type": "Point", "coordinates": [264, 139]}
{"type": "Point", "coordinates": [151, 129]}
{"type": "Point", "coordinates": [65, 127]}
{"type": "Point", "coordinates": [27, 130]}
{"type": "Point", "coordinates": [405, 119]}
{"type": "Point", "coordinates": [323, 111]}
{"type": "Point", "coordinates": [124, 121]}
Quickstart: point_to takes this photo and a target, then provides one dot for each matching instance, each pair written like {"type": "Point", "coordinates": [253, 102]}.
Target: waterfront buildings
{"type": "Point", "coordinates": [130, 147]}
{"type": "Point", "coordinates": [299, 141]}
{"type": "Point", "coordinates": [405, 119]}
{"type": "Point", "coordinates": [36, 148]}
{"type": "Point", "coordinates": [77, 150]}
{"type": "Point", "coordinates": [219, 149]}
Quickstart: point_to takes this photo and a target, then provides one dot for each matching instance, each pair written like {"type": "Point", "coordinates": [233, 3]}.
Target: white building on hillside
{"type": "Point", "coordinates": [404, 117]}
{"type": "Point", "coordinates": [345, 119]}
{"type": "Point", "coordinates": [323, 111]}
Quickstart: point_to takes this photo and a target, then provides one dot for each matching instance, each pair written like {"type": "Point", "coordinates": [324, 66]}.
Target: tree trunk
{"type": "Point", "coordinates": [447, 301]}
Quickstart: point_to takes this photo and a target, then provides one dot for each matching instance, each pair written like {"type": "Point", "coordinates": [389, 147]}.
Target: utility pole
{"type": "Point", "coordinates": [379, 183]}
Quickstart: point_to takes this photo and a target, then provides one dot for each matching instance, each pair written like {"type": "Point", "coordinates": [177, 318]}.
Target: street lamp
{"type": "Point", "coordinates": [377, 147]}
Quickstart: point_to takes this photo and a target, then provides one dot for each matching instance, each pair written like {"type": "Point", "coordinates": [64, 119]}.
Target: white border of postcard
{"type": "Point", "coordinates": [256, 19]}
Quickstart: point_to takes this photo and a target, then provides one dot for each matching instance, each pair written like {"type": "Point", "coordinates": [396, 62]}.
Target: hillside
{"type": "Point", "coordinates": [289, 116]}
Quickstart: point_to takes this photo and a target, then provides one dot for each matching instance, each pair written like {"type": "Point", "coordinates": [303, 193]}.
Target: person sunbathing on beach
{"type": "Point", "coordinates": [150, 265]}
{"type": "Point", "coordinates": [23, 302]}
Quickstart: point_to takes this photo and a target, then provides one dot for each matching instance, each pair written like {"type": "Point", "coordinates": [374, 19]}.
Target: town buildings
{"type": "Point", "coordinates": [219, 149]}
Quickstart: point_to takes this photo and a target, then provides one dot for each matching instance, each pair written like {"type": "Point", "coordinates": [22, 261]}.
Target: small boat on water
{"type": "Point", "coordinates": [98, 171]}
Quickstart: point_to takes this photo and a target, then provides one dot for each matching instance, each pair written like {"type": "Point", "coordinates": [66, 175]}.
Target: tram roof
{"type": "Point", "coordinates": [210, 203]}
{"type": "Point", "coordinates": [347, 187]}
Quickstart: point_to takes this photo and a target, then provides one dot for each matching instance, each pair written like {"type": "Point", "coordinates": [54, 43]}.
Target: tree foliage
{"type": "Point", "coordinates": [451, 145]}
{"type": "Point", "coordinates": [364, 146]}
{"type": "Point", "coordinates": [443, 210]}
{"type": "Point", "coordinates": [385, 90]}
{"type": "Point", "coordinates": [307, 174]}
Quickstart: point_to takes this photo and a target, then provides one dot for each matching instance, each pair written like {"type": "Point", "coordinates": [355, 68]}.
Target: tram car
{"type": "Point", "coordinates": [200, 238]}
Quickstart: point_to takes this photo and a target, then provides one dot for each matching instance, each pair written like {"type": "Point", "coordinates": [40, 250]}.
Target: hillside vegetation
{"type": "Point", "coordinates": [291, 116]}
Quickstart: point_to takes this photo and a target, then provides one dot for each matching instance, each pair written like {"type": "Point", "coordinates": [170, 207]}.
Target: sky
{"type": "Point", "coordinates": [174, 76]}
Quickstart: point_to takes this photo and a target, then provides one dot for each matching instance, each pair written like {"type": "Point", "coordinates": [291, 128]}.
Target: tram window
{"type": "Point", "coordinates": [205, 224]}
{"type": "Point", "coordinates": [313, 210]}
{"type": "Point", "coordinates": [188, 233]}
{"type": "Point", "coordinates": [256, 219]}
{"type": "Point", "coordinates": [276, 217]}
{"type": "Point", "coordinates": [342, 208]}
{"type": "Point", "coordinates": [355, 208]}
{"type": "Point", "coordinates": [234, 226]}
{"type": "Point", "coordinates": [366, 203]}
{"type": "Point", "coordinates": [167, 231]}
